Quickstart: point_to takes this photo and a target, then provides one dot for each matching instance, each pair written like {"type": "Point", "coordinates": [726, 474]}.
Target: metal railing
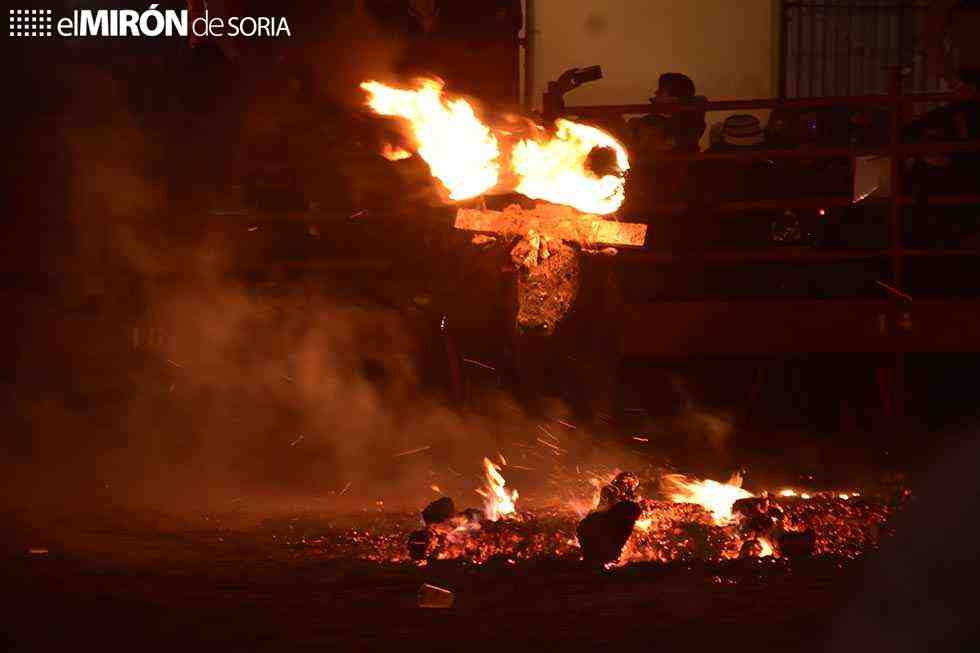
{"type": "Point", "coordinates": [895, 101]}
{"type": "Point", "coordinates": [959, 333]}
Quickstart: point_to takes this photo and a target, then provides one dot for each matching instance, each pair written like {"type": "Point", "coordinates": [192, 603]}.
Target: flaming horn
{"type": "Point", "coordinates": [471, 158]}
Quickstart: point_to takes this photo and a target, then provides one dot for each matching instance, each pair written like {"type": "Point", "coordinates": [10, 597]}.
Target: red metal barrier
{"type": "Point", "coordinates": [955, 321]}
{"type": "Point", "coordinates": [895, 101]}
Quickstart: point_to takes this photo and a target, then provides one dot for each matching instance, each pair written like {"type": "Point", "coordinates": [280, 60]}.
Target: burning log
{"type": "Point", "coordinates": [759, 525]}
{"type": "Point", "coordinates": [751, 549]}
{"type": "Point", "coordinates": [474, 515]}
{"type": "Point", "coordinates": [757, 518]}
{"type": "Point", "coordinates": [719, 499]}
{"type": "Point", "coordinates": [797, 545]}
{"type": "Point", "coordinates": [665, 531]}
{"type": "Point", "coordinates": [418, 544]}
{"type": "Point", "coordinates": [438, 511]}
{"type": "Point", "coordinates": [700, 520]}
{"type": "Point", "coordinates": [603, 533]}
{"type": "Point", "coordinates": [752, 506]}
{"type": "Point", "coordinates": [625, 487]}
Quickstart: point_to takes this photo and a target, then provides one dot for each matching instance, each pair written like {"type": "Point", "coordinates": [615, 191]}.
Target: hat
{"type": "Point", "coordinates": [742, 129]}
{"type": "Point", "coordinates": [677, 85]}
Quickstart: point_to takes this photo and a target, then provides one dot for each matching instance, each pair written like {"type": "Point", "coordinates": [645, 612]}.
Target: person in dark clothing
{"type": "Point", "coordinates": [663, 131]}
{"type": "Point", "coordinates": [674, 87]}
{"type": "Point", "coordinates": [726, 180]}
{"type": "Point", "coordinates": [682, 129]}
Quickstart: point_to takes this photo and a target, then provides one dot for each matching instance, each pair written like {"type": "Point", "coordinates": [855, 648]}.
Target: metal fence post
{"type": "Point", "coordinates": [895, 222]}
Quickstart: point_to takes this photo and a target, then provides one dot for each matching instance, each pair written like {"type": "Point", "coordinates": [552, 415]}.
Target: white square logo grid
{"type": "Point", "coordinates": [31, 22]}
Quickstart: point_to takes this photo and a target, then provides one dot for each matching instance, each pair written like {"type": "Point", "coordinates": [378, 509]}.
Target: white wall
{"type": "Point", "coordinates": [728, 47]}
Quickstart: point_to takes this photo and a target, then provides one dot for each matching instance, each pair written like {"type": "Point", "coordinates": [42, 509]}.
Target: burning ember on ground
{"type": "Point", "coordinates": [579, 173]}
{"type": "Point", "coordinates": [471, 157]}
{"type": "Point", "coordinates": [690, 520]}
{"type": "Point", "coordinates": [498, 501]}
{"type": "Point", "coordinates": [394, 153]}
{"type": "Point", "coordinates": [717, 498]}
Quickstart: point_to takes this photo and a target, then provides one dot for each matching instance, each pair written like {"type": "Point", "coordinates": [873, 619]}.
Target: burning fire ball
{"type": "Point", "coordinates": [574, 164]}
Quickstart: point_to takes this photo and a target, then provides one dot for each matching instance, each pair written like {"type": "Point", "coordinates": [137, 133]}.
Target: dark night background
{"type": "Point", "coordinates": [177, 342]}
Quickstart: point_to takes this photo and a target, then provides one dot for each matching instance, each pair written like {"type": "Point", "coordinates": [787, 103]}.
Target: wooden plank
{"type": "Point", "coordinates": [558, 222]}
{"type": "Point", "coordinates": [779, 327]}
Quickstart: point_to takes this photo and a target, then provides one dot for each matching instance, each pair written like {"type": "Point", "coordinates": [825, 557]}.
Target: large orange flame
{"type": "Point", "coordinates": [460, 150]}
{"type": "Point", "coordinates": [555, 169]}
{"type": "Point", "coordinates": [393, 153]}
{"type": "Point", "coordinates": [497, 500]}
{"type": "Point", "coordinates": [471, 158]}
{"type": "Point", "coordinates": [717, 498]}
{"type": "Point", "coordinates": [767, 548]}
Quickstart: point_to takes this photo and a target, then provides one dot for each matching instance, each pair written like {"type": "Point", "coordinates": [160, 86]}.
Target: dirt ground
{"type": "Point", "coordinates": [144, 580]}
{"type": "Point", "coordinates": [233, 578]}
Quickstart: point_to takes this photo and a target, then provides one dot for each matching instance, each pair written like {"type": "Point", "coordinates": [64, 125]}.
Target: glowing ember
{"type": "Point", "coordinates": [460, 150]}
{"type": "Point", "coordinates": [666, 532]}
{"type": "Point", "coordinates": [697, 521]}
{"type": "Point", "coordinates": [471, 158]}
{"type": "Point", "coordinates": [717, 498]}
{"type": "Point", "coordinates": [498, 501]}
{"type": "Point", "coordinates": [767, 549]}
{"type": "Point", "coordinates": [393, 153]}
{"type": "Point", "coordinates": [555, 170]}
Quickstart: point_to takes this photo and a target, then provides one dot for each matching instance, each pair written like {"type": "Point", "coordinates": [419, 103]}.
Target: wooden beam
{"type": "Point", "coordinates": [559, 222]}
